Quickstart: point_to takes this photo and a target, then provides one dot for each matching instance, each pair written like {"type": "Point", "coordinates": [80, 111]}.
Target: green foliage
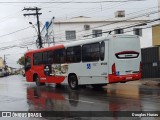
{"type": "Point", "coordinates": [21, 61]}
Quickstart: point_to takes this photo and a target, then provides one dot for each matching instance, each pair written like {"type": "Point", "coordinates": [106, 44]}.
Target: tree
{"type": "Point", "coordinates": [21, 61]}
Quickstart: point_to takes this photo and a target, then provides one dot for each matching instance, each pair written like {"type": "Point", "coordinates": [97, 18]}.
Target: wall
{"type": "Point", "coordinates": [156, 35]}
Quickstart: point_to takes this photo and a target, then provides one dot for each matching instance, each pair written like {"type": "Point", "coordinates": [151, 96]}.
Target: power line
{"type": "Point", "coordinates": [126, 19]}
{"type": "Point", "coordinates": [13, 46]}
{"type": "Point", "coordinates": [0, 36]}
{"type": "Point", "coordinates": [23, 39]}
{"type": "Point", "coordinates": [141, 24]}
{"type": "Point", "coordinates": [15, 31]}
{"type": "Point", "coordinates": [31, 43]}
{"type": "Point", "coordinates": [75, 1]}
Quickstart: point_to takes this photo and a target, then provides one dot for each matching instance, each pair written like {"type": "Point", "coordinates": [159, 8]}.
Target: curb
{"type": "Point", "coordinates": [151, 83]}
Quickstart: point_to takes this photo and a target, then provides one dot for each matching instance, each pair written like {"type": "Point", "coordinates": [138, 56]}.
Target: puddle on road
{"type": "Point", "coordinates": [132, 89]}
{"type": "Point", "coordinates": [123, 89]}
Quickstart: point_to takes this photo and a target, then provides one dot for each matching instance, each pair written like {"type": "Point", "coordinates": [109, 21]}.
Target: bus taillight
{"type": "Point", "coordinates": [114, 69]}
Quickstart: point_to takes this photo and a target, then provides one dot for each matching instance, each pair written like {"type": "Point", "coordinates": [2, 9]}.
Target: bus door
{"type": "Point", "coordinates": [104, 58]}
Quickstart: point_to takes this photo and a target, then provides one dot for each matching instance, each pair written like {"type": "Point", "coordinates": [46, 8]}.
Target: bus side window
{"type": "Point", "coordinates": [45, 58]}
{"type": "Point", "coordinates": [86, 53]}
{"type": "Point", "coordinates": [77, 54]}
{"type": "Point", "coordinates": [102, 53]}
{"type": "Point", "coordinates": [59, 56]}
{"type": "Point", "coordinates": [95, 52]}
{"type": "Point", "coordinates": [37, 59]}
{"type": "Point", "coordinates": [50, 57]}
{"type": "Point", "coordinates": [91, 52]}
{"type": "Point", "coordinates": [73, 54]}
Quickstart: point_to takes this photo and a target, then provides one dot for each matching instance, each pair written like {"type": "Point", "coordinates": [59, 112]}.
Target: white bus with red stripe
{"type": "Point", "coordinates": [96, 62]}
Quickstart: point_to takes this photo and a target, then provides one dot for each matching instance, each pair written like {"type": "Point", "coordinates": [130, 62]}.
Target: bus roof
{"type": "Point", "coordinates": [45, 49]}
{"type": "Point", "coordinates": [79, 42]}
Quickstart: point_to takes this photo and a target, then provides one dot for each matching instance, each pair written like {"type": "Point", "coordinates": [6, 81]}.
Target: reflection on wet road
{"type": "Point", "coordinates": [18, 95]}
{"type": "Point", "coordinates": [120, 97]}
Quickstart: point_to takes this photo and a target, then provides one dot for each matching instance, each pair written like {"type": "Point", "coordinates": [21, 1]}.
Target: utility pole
{"type": "Point", "coordinates": [37, 15]}
{"type": "Point", "coordinates": [5, 60]}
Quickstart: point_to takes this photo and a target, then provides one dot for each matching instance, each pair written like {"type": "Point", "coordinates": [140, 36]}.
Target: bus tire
{"type": "Point", "coordinates": [58, 85]}
{"type": "Point", "coordinates": [97, 86]}
{"type": "Point", "coordinates": [73, 82]}
{"type": "Point", "coordinates": [37, 81]}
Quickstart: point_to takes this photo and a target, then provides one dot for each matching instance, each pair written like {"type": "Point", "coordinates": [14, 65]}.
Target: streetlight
{"type": "Point", "coordinates": [33, 27]}
{"type": "Point", "coordinates": [38, 33]}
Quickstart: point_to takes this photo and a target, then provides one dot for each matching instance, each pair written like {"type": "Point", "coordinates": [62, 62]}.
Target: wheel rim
{"type": "Point", "coordinates": [37, 81]}
{"type": "Point", "coordinates": [73, 83]}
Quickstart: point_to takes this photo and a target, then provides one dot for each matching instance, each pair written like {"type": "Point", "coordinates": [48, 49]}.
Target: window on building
{"type": "Point", "coordinates": [59, 56]}
{"type": "Point", "coordinates": [97, 33]}
{"type": "Point", "coordinates": [37, 59]}
{"type": "Point", "coordinates": [118, 31]}
{"type": "Point", "coordinates": [70, 35]}
{"type": "Point", "coordinates": [91, 52]}
{"type": "Point", "coordinates": [137, 31]}
{"type": "Point", "coordinates": [74, 54]}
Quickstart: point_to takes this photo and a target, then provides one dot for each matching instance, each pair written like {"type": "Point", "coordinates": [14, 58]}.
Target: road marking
{"type": "Point", "coordinates": [80, 100]}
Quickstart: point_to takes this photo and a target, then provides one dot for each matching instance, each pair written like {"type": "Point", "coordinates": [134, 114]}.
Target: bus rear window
{"type": "Point", "coordinates": [127, 55]}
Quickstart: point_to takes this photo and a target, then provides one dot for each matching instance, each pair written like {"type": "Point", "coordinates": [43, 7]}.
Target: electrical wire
{"type": "Point", "coordinates": [73, 2]}
{"type": "Point", "coordinates": [8, 34]}
{"type": "Point", "coordinates": [15, 31]}
{"type": "Point", "coordinates": [153, 12]}
{"type": "Point", "coordinates": [132, 17]}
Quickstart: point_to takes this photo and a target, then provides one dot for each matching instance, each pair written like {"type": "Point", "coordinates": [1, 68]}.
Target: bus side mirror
{"type": "Point", "coordinates": [27, 67]}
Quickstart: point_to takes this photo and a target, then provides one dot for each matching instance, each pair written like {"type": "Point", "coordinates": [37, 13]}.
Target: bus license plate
{"type": "Point", "coordinates": [128, 78]}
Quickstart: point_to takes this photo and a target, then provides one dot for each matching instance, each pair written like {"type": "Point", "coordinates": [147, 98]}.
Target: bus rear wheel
{"type": "Point", "coordinates": [73, 82]}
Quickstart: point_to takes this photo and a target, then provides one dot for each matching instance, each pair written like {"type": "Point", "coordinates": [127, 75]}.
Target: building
{"type": "Point", "coordinates": [156, 30]}
{"type": "Point", "coordinates": [156, 35]}
{"type": "Point", "coordinates": [80, 27]}
{"type": "Point", "coordinates": [2, 65]}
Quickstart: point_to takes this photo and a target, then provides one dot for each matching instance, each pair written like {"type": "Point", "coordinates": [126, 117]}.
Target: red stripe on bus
{"type": "Point", "coordinates": [123, 78]}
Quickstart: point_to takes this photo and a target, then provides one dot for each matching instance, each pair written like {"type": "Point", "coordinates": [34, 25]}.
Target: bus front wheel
{"type": "Point", "coordinates": [38, 81]}
{"type": "Point", "coordinates": [73, 82]}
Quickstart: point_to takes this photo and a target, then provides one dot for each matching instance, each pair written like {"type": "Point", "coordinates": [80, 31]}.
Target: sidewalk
{"type": "Point", "coordinates": [151, 81]}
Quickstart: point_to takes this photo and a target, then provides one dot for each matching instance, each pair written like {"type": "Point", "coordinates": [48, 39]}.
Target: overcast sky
{"type": "Point", "coordinates": [12, 19]}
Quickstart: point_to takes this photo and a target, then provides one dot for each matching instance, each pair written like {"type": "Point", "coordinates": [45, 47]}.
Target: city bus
{"type": "Point", "coordinates": [97, 62]}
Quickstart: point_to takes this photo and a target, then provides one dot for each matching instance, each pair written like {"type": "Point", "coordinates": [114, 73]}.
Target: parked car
{"type": "Point", "coordinates": [1, 72]}
{"type": "Point", "coordinates": [6, 73]}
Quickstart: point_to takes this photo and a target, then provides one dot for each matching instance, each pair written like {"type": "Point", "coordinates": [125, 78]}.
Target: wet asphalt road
{"type": "Point", "coordinates": [18, 95]}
